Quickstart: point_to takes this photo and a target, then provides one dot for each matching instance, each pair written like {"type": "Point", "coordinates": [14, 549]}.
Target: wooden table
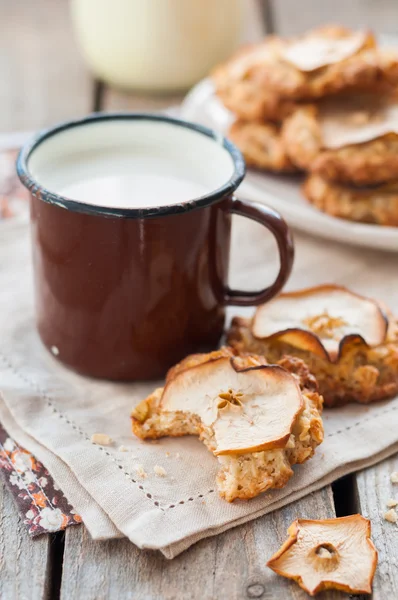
{"type": "Point", "coordinates": [43, 81]}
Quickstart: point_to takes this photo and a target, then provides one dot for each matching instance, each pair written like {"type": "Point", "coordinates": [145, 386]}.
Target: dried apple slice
{"type": "Point", "coordinates": [328, 554]}
{"type": "Point", "coordinates": [314, 50]}
{"type": "Point", "coordinates": [249, 410]}
{"type": "Point", "coordinates": [321, 320]}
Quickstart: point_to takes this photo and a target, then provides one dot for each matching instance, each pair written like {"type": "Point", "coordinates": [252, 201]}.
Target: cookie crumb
{"type": "Point", "coordinates": [123, 449]}
{"type": "Point", "coordinates": [394, 477]}
{"type": "Point", "coordinates": [291, 442]}
{"type": "Point", "coordinates": [102, 439]}
{"type": "Point", "coordinates": [392, 503]}
{"type": "Point", "coordinates": [139, 469]}
{"type": "Point", "coordinates": [391, 516]}
{"type": "Point", "coordinates": [168, 454]}
{"type": "Point", "coordinates": [159, 471]}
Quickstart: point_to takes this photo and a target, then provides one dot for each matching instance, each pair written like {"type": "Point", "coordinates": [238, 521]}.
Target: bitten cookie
{"type": "Point", "coordinates": [257, 419]}
{"type": "Point", "coordinates": [349, 342]}
{"type": "Point", "coordinates": [262, 146]}
{"type": "Point", "coordinates": [349, 139]}
{"type": "Point", "coordinates": [376, 205]}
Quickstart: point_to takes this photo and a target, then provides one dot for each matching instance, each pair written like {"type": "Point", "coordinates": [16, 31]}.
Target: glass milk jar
{"type": "Point", "coordinates": [158, 45]}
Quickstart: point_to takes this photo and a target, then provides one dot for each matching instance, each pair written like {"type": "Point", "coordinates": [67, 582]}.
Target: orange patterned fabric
{"type": "Point", "coordinates": [43, 507]}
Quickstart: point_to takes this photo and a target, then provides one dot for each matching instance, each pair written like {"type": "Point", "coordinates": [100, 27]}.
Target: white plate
{"type": "Point", "coordinates": [282, 192]}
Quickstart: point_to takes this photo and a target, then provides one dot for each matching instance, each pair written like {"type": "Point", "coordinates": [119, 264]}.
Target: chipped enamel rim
{"type": "Point", "coordinates": [309, 341]}
{"type": "Point", "coordinates": [46, 195]}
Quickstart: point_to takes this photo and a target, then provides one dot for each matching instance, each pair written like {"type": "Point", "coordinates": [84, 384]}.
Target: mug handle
{"type": "Point", "coordinates": [277, 226]}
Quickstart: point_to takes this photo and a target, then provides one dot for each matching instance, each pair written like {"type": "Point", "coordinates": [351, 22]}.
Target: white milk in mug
{"type": "Point", "coordinates": [156, 45]}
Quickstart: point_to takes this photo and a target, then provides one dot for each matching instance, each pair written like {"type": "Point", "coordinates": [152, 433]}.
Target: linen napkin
{"type": "Point", "coordinates": [117, 489]}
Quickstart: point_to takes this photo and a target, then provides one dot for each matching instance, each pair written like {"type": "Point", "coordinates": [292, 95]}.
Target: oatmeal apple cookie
{"type": "Point", "coordinates": [349, 139]}
{"type": "Point", "coordinates": [262, 146]}
{"type": "Point", "coordinates": [349, 342]}
{"type": "Point", "coordinates": [257, 419]}
{"type": "Point", "coordinates": [376, 205]}
{"type": "Point", "coordinates": [327, 61]}
{"type": "Point", "coordinates": [239, 84]}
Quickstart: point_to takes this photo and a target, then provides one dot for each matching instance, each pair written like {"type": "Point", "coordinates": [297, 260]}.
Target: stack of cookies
{"type": "Point", "coordinates": [324, 103]}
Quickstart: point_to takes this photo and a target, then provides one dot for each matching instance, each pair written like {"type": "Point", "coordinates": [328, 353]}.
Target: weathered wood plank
{"type": "Point", "coordinates": [230, 565]}
{"type": "Point", "coordinates": [24, 563]}
{"type": "Point", "coordinates": [293, 17]}
{"type": "Point", "coordinates": [374, 489]}
{"type": "Point", "coordinates": [42, 74]}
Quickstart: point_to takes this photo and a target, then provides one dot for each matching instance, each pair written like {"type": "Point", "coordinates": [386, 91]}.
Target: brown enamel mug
{"type": "Point", "coordinates": [125, 292]}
